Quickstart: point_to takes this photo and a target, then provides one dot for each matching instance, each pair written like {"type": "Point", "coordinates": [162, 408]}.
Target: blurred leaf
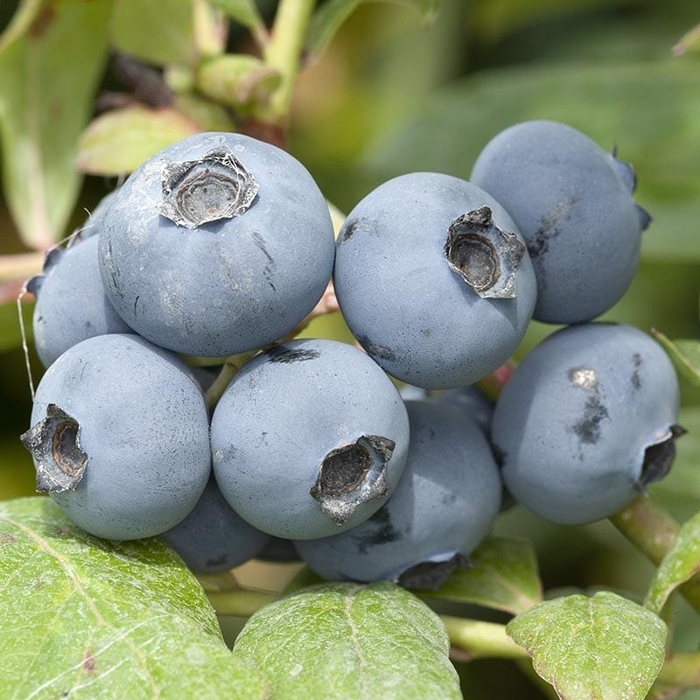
{"type": "Point", "coordinates": [244, 12]}
{"type": "Point", "coordinates": [678, 566]}
{"type": "Point", "coordinates": [503, 575]}
{"type": "Point", "coordinates": [690, 41]}
{"type": "Point", "coordinates": [346, 640]}
{"type": "Point", "coordinates": [51, 60]}
{"type": "Point", "coordinates": [685, 355]}
{"type": "Point", "coordinates": [144, 29]}
{"type": "Point", "coordinates": [117, 142]}
{"type": "Point", "coordinates": [494, 18]}
{"type": "Point", "coordinates": [329, 17]}
{"type": "Point", "coordinates": [602, 647]}
{"type": "Point", "coordinates": [648, 109]}
{"type": "Point", "coordinates": [92, 619]}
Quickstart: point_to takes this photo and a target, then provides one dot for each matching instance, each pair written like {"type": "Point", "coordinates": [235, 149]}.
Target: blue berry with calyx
{"type": "Point", "coordinates": [433, 280]}
{"type": "Point", "coordinates": [120, 437]}
{"type": "Point", "coordinates": [309, 439]}
{"type": "Point", "coordinates": [444, 506]}
{"type": "Point", "coordinates": [573, 203]}
{"type": "Point", "coordinates": [587, 420]}
{"type": "Point", "coordinates": [217, 245]}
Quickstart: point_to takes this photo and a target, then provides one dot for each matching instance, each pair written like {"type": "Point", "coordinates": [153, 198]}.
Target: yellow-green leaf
{"type": "Point", "coordinates": [344, 640]}
{"type": "Point", "coordinates": [117, 142]}
{"type": "Point", "coordinates": [89, 619]}
{"type": "Point", "coordinates": [600, 648]}
{"type": "Point", "coordinates": [678, 566]}
{"type": "Point", "coordinates": [51, 60]}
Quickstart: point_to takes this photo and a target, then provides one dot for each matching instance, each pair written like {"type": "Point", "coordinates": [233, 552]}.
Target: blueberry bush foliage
{"type": "Point", "coordinates": [359, 93]}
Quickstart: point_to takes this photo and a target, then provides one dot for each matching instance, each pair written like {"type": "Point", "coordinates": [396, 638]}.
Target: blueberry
{"type": "Point", "coordinates": [217, 245]}
{"type": "Point", "coordinates": [71, 304]}
{"type": "Point", "coordinates": [445, 504]}
{"type": "Point", "coordinates": [586, 421]}
{"type": "Point", "coordinates": [119, 437]}
{"type": "Point", "coordinates": [433, 280]}
{"type": "Point", "coordinates": [309, 438]}
{"type": "Point", "coordinates": [572, 202]}
{"type": "Point", "coordinates": [471, 400]}
{"type": "Point", "coordinates": [213, 537]}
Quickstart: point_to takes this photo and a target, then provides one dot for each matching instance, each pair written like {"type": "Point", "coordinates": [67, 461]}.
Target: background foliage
{"type": "Point", "coordinates": [391, 94]}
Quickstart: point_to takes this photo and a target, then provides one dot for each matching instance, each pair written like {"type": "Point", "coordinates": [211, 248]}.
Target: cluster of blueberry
{"type": "Point", "coordinates": [221, 245]}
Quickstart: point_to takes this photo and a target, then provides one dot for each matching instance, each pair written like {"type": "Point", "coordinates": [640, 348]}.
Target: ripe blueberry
{"type": "Point", "coordinates": [309, 438]}
{"type": "Point", "coordinates": [433, 280]}
{"type": "Point", "coordinates": [572, 202]}
{"type": "Point", "coordinates": [119, 437]}
{"type": "Point", "coordinates": [586, 421]}
{"type": "Point", "coordinates": [217, 245]}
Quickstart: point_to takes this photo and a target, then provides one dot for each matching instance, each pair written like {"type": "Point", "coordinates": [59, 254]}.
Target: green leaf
{"type": "Point", "coordinates": [144, 30]}
{"type": "Point", "coordinates": [345, 640]}
{"type": "Point", "coordinates": [51, 61]}
{"type": "Point", "coordinates": [117, 142]}
{"type": "Point", "coordinates": [685, 354]}
{"type": "Point", "coordinates": [90, 619]}
{"type": "Point", "coordinates": [329, 17]}
{"type": "Point", "coordinates": [678, 566]}
{"type": "Point", "coordinates": [244, 12]}
{"type": "Point", "coordinates": [600, 648]}
{"type": "Point", "coordinates": [503, 575]}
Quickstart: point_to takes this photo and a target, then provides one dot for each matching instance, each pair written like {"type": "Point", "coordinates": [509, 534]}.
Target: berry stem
{"type": "Point", "coordinates": [228, 371]}
{"type": "Point", "coordinates": [284, 51]}
{"type": "Point", "coordinates": [475, 639]}
{"type": "Point", "coordinates": [653, 531]}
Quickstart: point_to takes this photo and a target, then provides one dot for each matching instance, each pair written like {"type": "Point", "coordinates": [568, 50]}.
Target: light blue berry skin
{"type": "Point", "coordinates": [410, 311]}
{"type": "Point", "coordinates": [143, 425]}
{"type": "Point", "coordinates": [445, 504]}
{"type": "Point", "coordinates": [230, 285]}
{"type": "Point", "coordinates": [283, 414]}
{"type": "Point", "coordinates": [572, 202]}
{"type": "Point", "coordinates": [573, 422]}
{"type": "Point", "coordinates": [213, 537]}
{"type": "Point", "coordinates": [71, 304]}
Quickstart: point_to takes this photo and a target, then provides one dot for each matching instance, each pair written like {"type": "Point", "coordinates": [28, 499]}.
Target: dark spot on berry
{"type": "Point", "coordinates": [588, 428]}
{"type": "Point", "coordinates": [382, 531]}
{"type": "Point", "coordinates": [374, 350]}
{"type": "Point", "coordinates": [286, 354]}
{"type": "Point", "coordinates": [636, 366]}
